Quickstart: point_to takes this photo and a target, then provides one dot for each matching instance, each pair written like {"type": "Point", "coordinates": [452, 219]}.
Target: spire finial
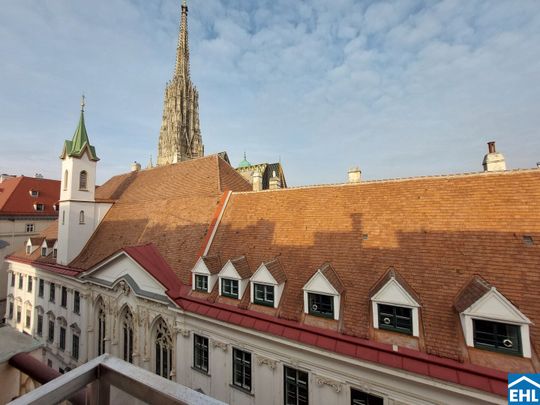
{"type": "Point", "coordinates": [184, 3]}
{"type": "Point", "coordinates": [83, 102]}
{"type": "Point", "coordinates": [244, 155]}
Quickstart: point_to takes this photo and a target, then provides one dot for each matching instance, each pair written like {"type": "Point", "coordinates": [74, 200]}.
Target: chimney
{"type": "Point", "coordinates": [538, 165]}
{"type": "Point", "coordinates": [257, 180]}
{"type": "Point", "coordinates": [135, 166]}
{"type": "Point", "coordinates": [275, 181]}
{"type": "Point", "coordinates": [493, 161]}
{"type": "Point", "coordinates": [355, 174]}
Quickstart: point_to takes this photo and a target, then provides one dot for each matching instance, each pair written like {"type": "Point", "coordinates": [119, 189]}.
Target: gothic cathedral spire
{"type": "Point", "coordinates": [180, 134]}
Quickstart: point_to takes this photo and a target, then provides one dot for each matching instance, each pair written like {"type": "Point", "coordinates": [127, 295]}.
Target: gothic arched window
{"type": "Point", "coordinates": [101, 327]}
{"type": "Point", "coordinates": [83, 176]}
{"type": "Point", "coordinates": [65, 180]}
{"type": "Point", "coordinates": [81, 217]}
{"type": "Point", "coordinates": [127, 335]}
{"type": "Point", "coordinates": [163, 349]}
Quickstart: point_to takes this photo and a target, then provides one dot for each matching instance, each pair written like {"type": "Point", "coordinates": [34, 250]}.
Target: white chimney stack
{"type": "Point", "coordinates": [493, 161]}
{"type": "Point", "coordinates": [355, 174]}
{"type": "Point", "coordinates": [135, 166]}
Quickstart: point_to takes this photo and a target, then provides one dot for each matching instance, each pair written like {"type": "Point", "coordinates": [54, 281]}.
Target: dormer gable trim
{"type": "Point", "coordinates": [494, 306]}
{"type": "Point", "coordinates": [319, 283]}
{"type": "Point", "coordinates": [262, 275]}
{"type": "Point", "coordinates": [395, 294]}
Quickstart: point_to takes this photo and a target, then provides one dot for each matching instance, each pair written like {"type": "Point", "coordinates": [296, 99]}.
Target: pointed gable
{"type": "Point", "coordinates": [325, 281]}
{"type": "Point", "coordinates": [207, 265]}
{"type": "Point", "coordinates": [481, 299]}
{"type": "Point", "coordinates": [236, 268]}
{"type": "Point", "coordinates": [269, 272]}
{"type": "Point", "coordinates": [393, 289]}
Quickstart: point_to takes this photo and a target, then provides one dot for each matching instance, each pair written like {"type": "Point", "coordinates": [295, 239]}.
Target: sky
{"type": "Point", "coordinates": [399, 88]}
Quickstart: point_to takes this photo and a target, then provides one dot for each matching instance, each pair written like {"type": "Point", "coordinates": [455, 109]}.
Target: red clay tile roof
{"type": "Point", "coordinates": [275, 269]}
{"type": "Point", "coordinates": [242, 267]}
{"type": "Point", "coordinates": [15, 198]}
{"type": "Point", "coordinates": [170, 206]}
{"type": "Point", "coordinates": [473, 291]}
{"type": "Point", "coordinates": [213, 264]}
{"type": "Point", "coordinates": [332, 277]}
{"type": "Point", "coordinates": [438, 232]}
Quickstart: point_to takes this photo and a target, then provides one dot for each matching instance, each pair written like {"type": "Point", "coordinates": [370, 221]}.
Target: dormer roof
{"type": "Point", "coordinates": [407, 293]}
{"type": "Point", "coordinates": [213, 263]}
{"type": "Point", "coordinates": [473, 291]}
{"type": "Point", "coordinates": [325, 280]}
{"type": "Point", "coordinates": [242, 267]}
{"type": "Point", "coordinates": [275, 269]}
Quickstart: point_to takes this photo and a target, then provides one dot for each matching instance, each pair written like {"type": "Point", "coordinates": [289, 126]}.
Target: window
{"type": "Point", "coordinates": [30, 228]}
{"type": "Point", "coordinates": [10, 316]}
{"type": "Point", "coordinates": [75, 347]}
{"type": "Point", "coordinates": [56, 206]}
{"type": "Point", "coordinates": [296, 387]}
{"type": "Point", "coordinates": [19, 313]}
{"type": "Point", "coordinates": [13, 279]}
{"type": "Point", "coordinates": [242, 369]}
{"type": "Point", "coordinates": [321, 305]}
{"type": "Point", "coordinates": [39, 207]}
{"type": "Point", "coordinates": [52, 292]}
{"type": "Point", "coordinates": [83, 180]}
{"type": "Point", "coordinates": [29, 286]}
{"type": "Point", "coordinates": [76, 302]}
{"type": "Point", "coordinates": [41, 288]}
{"type": "Point", "coordinates": [20, 281]}
{"type": "Point", "coordinates": [263, 294]}
{"type": "Point", "coordinates": [101, 329]}
{"type": "Point", "coordinates": [363, 398]}
{"type": "Point", "coordinates": [63, 297]}
{"type": "Point", "coordinates": [163, 349]}
{"type": "Point", "coordinates": [127, 329]}
{"type": "Point", "coordinates": [201, 283]}
{"type": "Point", "coordinates": [34, 193]}
{"type": "Point", "coordinates": [28, 249]}
{"type": "Point", "coordinates": [81, 217]}
{"type": "Point", "coordinates": [63, 217]}
{"type": "Point", "coordinates": [50, 338]}
{"type": "Point", "coordinates": [49, 363]}
{"type": "Point", "coordinates": [397, 319]}
{"type": "Point", "coordinates": [62, 344]}
{"type": "Point", "coordinates": [55, 253]}
{"type": "Point", "coordinates": [43, 251]}
{"type": "Point", "coordinates": [497, 336]}
{"type": "Point", "coordinates": [40, 325]}
{"type": "Point", "coordinates": [229, 288]}
{"type": "Point", "coordinates": [65, 180]}
{"type": "Point", "coordinates": [28, 318]}
{"type": "Point", "coordinates": [200, 353]}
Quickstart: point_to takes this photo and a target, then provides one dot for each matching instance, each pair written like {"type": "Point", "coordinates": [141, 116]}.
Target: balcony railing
{"type": "Point", "coordinates": [109, 380]}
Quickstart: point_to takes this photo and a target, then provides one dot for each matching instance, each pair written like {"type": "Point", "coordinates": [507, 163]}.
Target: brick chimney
{"type": "Point", "coordinates": [355, 175]}
{"type": "Point", "coordinates": [493, 161]}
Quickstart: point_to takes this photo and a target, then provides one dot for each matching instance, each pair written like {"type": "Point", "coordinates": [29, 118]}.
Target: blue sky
{"type": "Point", "coordinates": [399, 88]}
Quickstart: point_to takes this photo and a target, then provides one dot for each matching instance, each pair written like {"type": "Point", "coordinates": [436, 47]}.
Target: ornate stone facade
{"type": "Point", "coordinates": [180, 135]}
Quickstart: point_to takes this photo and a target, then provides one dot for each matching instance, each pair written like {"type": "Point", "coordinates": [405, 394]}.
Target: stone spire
{"type": "Point", "coordinates": [180, 135]}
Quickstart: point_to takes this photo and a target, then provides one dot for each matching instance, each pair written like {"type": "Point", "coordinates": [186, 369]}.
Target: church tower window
{"type": "Point", "coordinates": [81, 217]}
{"type": "Point", "coordinates": [83, 179]}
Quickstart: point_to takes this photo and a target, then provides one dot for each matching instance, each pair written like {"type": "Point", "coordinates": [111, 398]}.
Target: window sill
{"type": "Point", "coordinates": [245, 391]}
{"type": "Point", "coordinates": [201, 371]}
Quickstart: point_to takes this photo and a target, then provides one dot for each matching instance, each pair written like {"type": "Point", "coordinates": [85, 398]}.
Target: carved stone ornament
{"type": "Point", "coordinates": [182, 331]}
{"type": "Point", "coordinates": [222, 345]}
{"type": "Point", "coordinates": [122, 287]}
{"type": "Point", "coordinates": [266, 361]}
{"type": "Point", "coordinates": [336, 385]}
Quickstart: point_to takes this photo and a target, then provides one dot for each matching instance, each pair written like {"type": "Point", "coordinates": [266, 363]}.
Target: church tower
{"type": "Point", "coordinates": [76, 221]}
{"type": "Point", "coordinates": [180, 135]}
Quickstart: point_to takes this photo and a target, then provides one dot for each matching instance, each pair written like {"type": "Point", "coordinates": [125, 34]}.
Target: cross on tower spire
{"type": "Point", "coordinates": [83, 102]}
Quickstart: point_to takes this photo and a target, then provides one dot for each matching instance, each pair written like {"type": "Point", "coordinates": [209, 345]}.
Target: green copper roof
{"type": "Point", "coordinates": [80, 142]}
{"type": "Point", "coordinates": [244, 162]}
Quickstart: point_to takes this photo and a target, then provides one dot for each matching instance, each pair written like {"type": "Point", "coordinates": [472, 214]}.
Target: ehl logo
{"type": "Point", "coordinates": [523, 389]}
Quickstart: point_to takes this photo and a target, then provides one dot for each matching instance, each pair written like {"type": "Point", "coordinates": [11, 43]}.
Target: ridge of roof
{"type": "Point", "coordinates": [397, 180]}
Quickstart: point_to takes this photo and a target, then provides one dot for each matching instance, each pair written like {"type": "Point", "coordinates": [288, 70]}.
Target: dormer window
{"type": "Point", "coordinates": [322, 293]}
{"type": "Point", "coordinates": [395, 305]}
{"type": "Point", "coordinates": [234, 278]}
{"type": "Point", "coordinates": [492, 322]}
{"type": "Point", "coordinates": [229, 288]}
{"type": "Point", "coordinates": [205, 273]}
{"type": "Point", "coordinates": [263, 294]}
{"type": "Point", "coordinates": [43, 251]}
{"type": "Point", "coordinates": [83, 177]}
{"type": "Point", "coordinates": [321, 305]}
{"type": "Point", "coordinates": [55, 253]}
{"type": "Point", "coordinates": [201, 282]}
{"type": "Point", "coordinates": [497, 336]}
{"type": "Point", "coordinates": [28, 249]}
{"type": "Point", "coordinates": [34, 193]}
{"type": "Point", "coordinates": [394, 318]}
{"type": "Point", "coordinates": [267, 284]}
{"type": "Point", "coordinates": [56, 207]}
{"type": "Point", "coordinates": [39, 207]}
